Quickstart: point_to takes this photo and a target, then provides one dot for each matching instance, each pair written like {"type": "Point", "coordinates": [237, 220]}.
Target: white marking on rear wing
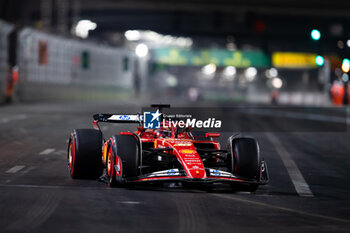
{"type": "Point", "coordinates": [125, 117]}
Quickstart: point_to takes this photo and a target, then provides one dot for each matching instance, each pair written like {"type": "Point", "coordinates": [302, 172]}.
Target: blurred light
{"type": "Point", "coordinates": [230, 71]}
{"type": "Point", "coordinates": [340, 44]}
{"type": "Point", "coordinates": [171, 81]}
{"type": "Point", "coordinates": [319, 60]}
{"type": "Point", "coordinates": [271, 73]}
{"type": "Point", "coordinates": [132, 35]}
{"type": "Point", "coordinates": [345, 77]}
{"type": "Point", "coordinates": [315, 34]}
{"type": "Point", "coordinates": [141, 50]}
{"type": "Point", "coordinates": [157, 38]}
{"type": "Point", "coordinates": [209, 69]}
{"type": "Point", "coordinates": [250, 73]}
{"type": "Point", "coordinates": [83, 27]}
{"type": "Point", "coordinates": [231, 46]}
{"type": "Point", "coordinates": [193, 93]}
{"type": "Point", "coordinates": [277, 82]}
{"type": "Point", "coordinates": [345, 65]}
{"type": "Point", "coordinates": [348, 43]}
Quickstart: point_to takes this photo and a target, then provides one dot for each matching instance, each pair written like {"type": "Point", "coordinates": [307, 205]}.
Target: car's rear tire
{"type": "Point", "coordinates": [84, 154]}
{"type": "Point", "coordinates": [125, 151]}
{"type": "Point", "coordinates": [244, 161]}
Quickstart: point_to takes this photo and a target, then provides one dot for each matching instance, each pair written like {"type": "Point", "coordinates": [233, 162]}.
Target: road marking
{"type": "Point", "coordinates": [27, 170]}
{"type": "Point", "coordinates": [295, 175]}
{"type": "Point", "coordinates": [15, 169]}
{"type": "Point", "coordinates": [13, 118]}
{"type": "Point", "coordinates": [47, 151]}
{"type": "Point", "coordinates": [265, 205]}
{"type": "Point", "coordinates": [130, 202]}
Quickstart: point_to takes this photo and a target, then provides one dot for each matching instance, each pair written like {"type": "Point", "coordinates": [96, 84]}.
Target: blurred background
{"type": "Point", "coordinates": [281, 52]}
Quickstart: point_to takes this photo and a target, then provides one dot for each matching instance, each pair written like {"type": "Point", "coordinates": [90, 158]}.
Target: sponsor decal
{"type": "Point", "coordinates": [190, 155]}
{"type": "Point", "coordinates": [178, 141]}
{"type": "Point", "coordinates": [183, 144]}
{"type": "Point", "coordinates": [124, 117]}
{"type": "Point", "coordinates": [216, 173]}
{"type": "Point", "coordinates": [187, 151]}
{"type": "Point", "coordinates": [196, 168]}
{"type": "Point", "coordinates": [171, 172]}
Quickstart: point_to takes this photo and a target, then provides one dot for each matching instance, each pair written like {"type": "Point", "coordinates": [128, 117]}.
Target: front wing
{"type": "Point", "coordinates": [214, 176]}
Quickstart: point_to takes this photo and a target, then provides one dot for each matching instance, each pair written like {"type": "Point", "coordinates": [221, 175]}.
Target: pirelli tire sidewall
{"type": "Point", "coordinates": [127, 148]}
{"type": "Point", "coordinates": [244, 159]}
{"type": "Point", "coordinates": [86, 152]}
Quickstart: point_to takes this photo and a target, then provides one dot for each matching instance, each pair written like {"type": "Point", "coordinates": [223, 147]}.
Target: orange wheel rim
{"type": "Point", "coordinates": [70, 157]}
{"type": "Point", "coordinates": [109, 163]}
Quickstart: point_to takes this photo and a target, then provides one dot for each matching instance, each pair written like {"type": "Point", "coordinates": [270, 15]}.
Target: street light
{"type": "Point", "coordinates": [346, 65]}
{"type": "Point", "coordinates": [319, 60]}
{"type": "Point", "coordinates": [315, 34]}
{"type": "Point", "coordinates": [83, 27]}
{"type": "Point", "coordinates": [277, 83]}
{"type": "Point", "coordinates": [250, 73]}
{"type": "Point", "coordinates": [141, 50]}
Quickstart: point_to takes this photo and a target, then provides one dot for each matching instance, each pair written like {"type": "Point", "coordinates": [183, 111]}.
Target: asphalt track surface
{"type": "Point", "coordinates": [309, 190]}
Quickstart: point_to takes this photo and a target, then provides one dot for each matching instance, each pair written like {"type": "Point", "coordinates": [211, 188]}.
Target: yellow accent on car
{"type": "Point", "coordinates": [105, 147]}
{"type": "Point", "coordinates": [187, 151]}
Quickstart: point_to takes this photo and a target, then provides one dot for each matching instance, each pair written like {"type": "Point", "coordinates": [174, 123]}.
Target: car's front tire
{"type": "Point", "coordinates": [123, 159]}
{"type": "Point", "coordinates": [244, 161]}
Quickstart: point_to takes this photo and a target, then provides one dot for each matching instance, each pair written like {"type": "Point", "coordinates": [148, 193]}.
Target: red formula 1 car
{"type": "Point", "coordinates": [166, 154]}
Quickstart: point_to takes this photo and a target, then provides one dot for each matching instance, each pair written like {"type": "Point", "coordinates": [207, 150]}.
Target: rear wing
{"type": "Point", "coordinates": [123, 118]}
{"type": "Point", "coordinates": [116, 118]}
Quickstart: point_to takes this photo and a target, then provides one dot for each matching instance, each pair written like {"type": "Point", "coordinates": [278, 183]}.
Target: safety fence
{"type": "Point", "coordinates": [54, 67]}
{"type": "Point", "coordinates": [69, 68]}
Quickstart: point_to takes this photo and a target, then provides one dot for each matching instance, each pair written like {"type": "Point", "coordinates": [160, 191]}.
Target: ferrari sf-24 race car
{"type": "Point", "coordinates": [166, 154]}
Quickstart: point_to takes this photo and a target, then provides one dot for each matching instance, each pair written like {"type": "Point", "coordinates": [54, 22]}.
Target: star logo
{"type": "Point", "coordinates": [151, 120]}
{"type": "Point", "coordinates": [155, 115]}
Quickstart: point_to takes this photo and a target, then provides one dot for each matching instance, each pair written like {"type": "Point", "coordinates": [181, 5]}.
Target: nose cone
{"type": "Point", "coordinates": [192, 163]}
{"type": "Point", "coordinates": [197, 172]}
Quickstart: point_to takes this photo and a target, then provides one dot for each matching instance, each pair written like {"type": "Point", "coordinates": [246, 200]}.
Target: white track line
{"type": "Point", "coordinates": [13, 118]}
{"type": "Point", "coordinates": [295, 175]}
{"type": "Point", "coordinates": [130, 202]}
{"type": "Point", "coordinates": [47, 151]}
{"type": "Point", "coordinates": [15, 169]}
{"type": "Point", "coordinates": [27, 170]}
